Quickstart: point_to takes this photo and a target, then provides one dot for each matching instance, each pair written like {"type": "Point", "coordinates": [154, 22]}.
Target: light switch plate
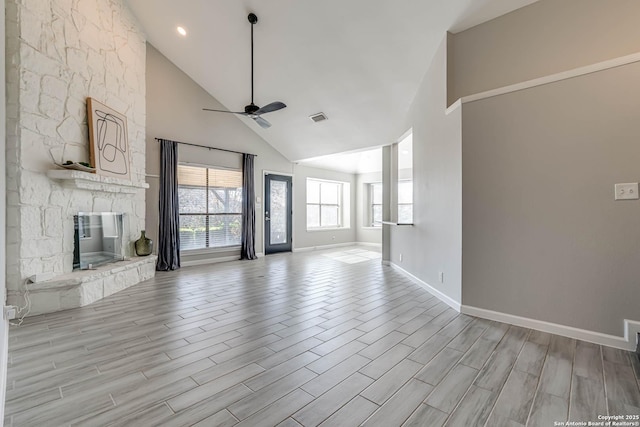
{"type": "Point", "coordinates": [627, 191]}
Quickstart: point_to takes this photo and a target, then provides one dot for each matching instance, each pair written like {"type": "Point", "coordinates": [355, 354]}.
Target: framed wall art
{"type": "Point", "coordinates": [108, 141]}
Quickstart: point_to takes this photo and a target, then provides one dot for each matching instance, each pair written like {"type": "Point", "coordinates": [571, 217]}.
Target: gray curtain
{"type": "Point", "coordinates": [248, 248]}
{"type": "Point", "coordinates": [169, 224]}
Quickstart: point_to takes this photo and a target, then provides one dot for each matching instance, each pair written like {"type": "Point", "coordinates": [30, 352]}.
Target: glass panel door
{"type": "Point", "coordinates": [278, 224]}
{"type": "Point", "coordinates": [277, 214]}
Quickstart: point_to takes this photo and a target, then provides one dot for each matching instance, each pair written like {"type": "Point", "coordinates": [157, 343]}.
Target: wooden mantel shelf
{"type": "Point", "coordinates": [92, 182]}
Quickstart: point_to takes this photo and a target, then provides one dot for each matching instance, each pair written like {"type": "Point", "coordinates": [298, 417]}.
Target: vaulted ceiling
{"type": "Point", "coordinates": [358, 61]}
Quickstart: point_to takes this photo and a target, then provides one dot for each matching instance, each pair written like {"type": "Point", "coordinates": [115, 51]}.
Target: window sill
{"type": "Point", "coordinates": [396, 223]}
{"type": "Point", "coordinates": [313, 230]}
{"type": "Point", "coordinates": [205, 251]}
{"type": "Point", "coordinates": [372, 228]}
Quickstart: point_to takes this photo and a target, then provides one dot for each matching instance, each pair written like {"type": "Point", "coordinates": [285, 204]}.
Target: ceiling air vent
{"type": "Point", "coordinates": [318, 117]}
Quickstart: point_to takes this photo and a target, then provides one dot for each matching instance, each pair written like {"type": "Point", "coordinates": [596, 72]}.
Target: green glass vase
{"type": "Point", "coordinates": [144, 245]}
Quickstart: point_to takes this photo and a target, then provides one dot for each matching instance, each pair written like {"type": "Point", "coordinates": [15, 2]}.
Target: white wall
{"type": "Point", "coordinates": [4, 324]}
{"type": "Point", "coordinates": [434, 243]}
{"type": "Point", "coordinates": [315, 238]}
{"type": "Point", "coordinates": [174, 111]}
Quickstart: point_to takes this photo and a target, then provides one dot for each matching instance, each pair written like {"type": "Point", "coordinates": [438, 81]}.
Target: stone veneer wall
{"type": "Point", "coordinates": [59, 52]}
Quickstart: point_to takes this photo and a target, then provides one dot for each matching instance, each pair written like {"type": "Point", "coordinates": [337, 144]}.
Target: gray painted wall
{"type": "Point", "coordinates": [433, 244]}
{"type": "Point", "coordinates": [543, 236]}
{"type": "Point", "coordinates": [174, 111]}
{"type": "Point", "coordinates": [309, 239]}
{"type": "Point", "coordinates": [546, 37]}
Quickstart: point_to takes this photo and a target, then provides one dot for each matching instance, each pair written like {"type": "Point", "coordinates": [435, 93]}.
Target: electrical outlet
{"type": "Point", "coordinates": [10, 312]}
{"type": "Point", "coordinates": [627, 191]}
{"type": "Point", "coordinates": [441, 277]}
{"type": "Point", "coordinates": [400, 257]}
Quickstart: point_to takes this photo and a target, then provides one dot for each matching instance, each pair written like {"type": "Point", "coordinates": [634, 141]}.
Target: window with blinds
{"type": "Point", "coordinates": [375, 205]}
{"type": "Point", "coordinates": [210, 207]}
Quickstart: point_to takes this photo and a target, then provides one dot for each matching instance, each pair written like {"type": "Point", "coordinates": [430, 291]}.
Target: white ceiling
{"type": "Point", "coordinates": [358, 61]}
{"type": "Point", "coordinates": [363, 161]}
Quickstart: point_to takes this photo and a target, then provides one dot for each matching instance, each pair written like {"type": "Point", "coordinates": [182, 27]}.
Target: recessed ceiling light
{"type": "Point", "coordinates": [181, 31]}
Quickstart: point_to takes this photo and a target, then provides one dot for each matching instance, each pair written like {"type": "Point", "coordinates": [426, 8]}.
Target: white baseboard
{"type": "Point", "coordinates": [441, 296]}
{"type": "Point", "coordinates": [319, 248]}
{"type": "Point", "coordinates": [631, 331]}
{"type": "Point", "coordinates": [260, 254]}
{"type": "Point", "coordinates": [370, 244]}
{"type": "Point", "coordinates": [337, 245]}
{"type": "Point", "coordinates": [628, 342]}
{"type": "Point", "coordinates": [195, 262]}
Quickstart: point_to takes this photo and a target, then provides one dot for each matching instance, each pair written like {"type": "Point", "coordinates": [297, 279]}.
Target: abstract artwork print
{"type": "Point", "coordinates": [109, 146]}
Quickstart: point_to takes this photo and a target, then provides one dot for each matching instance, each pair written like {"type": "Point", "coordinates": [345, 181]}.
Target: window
{"type": "Point", "coordinates": [325, 207]}
{"type": "Point", "coordinates": [405, 180]}
{"type": "Point", "coordinates": [210, 207]}
{"type": "Point", "coordinates": [405, 202]}
{"type": "Point", "coordinates": [374, 218]}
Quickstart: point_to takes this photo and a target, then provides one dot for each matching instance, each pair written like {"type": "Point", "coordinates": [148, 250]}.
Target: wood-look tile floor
{"type": "Point", "coordinates": [302, 339]}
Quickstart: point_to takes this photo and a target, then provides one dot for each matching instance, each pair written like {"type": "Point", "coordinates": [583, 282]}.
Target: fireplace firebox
{"type": "Point", "coordinates": [98, 239]}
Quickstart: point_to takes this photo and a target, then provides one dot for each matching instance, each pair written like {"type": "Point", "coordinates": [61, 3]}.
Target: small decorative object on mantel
{"type": "Point", "coordinates": [144, 245]}
{"type": "Point", "coordinates": [79, 166]}
{"type": "Point", "coordinates": [69, 164]}
{"type": "Point", "coordinates": [108, 140]}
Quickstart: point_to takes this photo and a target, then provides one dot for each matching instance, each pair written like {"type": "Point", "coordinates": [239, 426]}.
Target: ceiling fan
{"type": "Point", "coordinates": [253, 111]}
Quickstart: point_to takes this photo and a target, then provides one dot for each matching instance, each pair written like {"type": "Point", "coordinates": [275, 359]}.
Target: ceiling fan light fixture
{"type": "Point", "coordinates": [253, 111]}
{"type": "Point", "coordinates": [318, 117]}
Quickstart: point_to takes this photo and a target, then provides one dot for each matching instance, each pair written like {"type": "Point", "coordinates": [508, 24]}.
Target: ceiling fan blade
{"type": "Point", "coordinates": [262, 122]}
{"type": "Point", "coordinates": [274, 106]}
{"type": "Point", "coordinates": [224, 111]}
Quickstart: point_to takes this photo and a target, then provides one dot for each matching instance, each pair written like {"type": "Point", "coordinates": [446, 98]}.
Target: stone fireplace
{"type": "Point", "coordinates": [59, 53]}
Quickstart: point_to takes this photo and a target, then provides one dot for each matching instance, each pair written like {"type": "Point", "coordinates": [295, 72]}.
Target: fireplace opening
{"type": "Point", "coordinates": [98, 239]}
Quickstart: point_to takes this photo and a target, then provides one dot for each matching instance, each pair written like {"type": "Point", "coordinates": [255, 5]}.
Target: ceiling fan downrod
{"type": "Point", "coordinates": [251, 108]}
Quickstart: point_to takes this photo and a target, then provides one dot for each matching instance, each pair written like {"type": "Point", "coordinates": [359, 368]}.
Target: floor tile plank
{"type": "Point", "coordinates": [588, 399]}
{"type": "Point", "coordinates": [269, 394]}
{"type": "Point", "coordinates": [397, 409]}
{"type": "Point", "coordinates": [352, 414]}
{"type": "Point", "coordinates": [516, 397]}
{"type": "Point", "coordinates": [473, 409]}
{"type": "Point", "coordinates": [426, 416]}
{"type": "Point", "coordinates": [321, 408]}
{"type": "Point", "coordinates": [450, 390]}
{"type": "Point", "coordinates": [547, 410]}
{"type": "Point", "coordinates": [385, 386]}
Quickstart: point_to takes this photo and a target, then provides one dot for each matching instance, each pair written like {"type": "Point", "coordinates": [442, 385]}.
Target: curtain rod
{"type": "Point", "coordinates": [204, 146]}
